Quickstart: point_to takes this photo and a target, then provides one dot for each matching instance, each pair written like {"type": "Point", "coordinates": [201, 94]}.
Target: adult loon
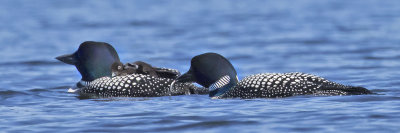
{"type": "Point", "coordinates": [94, 60]}
{"type": "Point", "coordinates": [215, 72]}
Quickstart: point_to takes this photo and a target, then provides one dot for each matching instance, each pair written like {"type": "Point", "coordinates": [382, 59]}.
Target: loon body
{"type": "Point", "coordinates": [94, 61]}
{"type": "Point", "coordinates": [215, 72]}
{"type": "Point", "coordinates": [137, 85]}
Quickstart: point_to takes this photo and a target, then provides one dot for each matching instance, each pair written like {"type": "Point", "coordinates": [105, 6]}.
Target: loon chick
{"type": "Point", "coordinates": [215, 72]}
{"type": "Point", "coordinates": [140, 67]}
{"type": "Point", "coordinates": [94, 59]}
{"type": "Point", "coordinates": [144, 68]}
{"type": "Point", "coordinates": [118, 69]}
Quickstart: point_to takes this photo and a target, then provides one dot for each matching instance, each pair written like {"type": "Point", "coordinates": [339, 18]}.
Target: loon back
{"type": "Point", "coordinates": [215, 72]}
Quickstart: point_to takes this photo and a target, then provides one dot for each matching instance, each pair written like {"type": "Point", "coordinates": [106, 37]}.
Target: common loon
{"type": "Point", "coordinates": [215, 72]}
{"type": "Point", "coordinates": [94, 59]}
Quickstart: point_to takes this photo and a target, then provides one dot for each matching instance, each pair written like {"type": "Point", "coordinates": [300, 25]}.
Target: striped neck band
{"type": "Point", "coordinates": [220, 83]}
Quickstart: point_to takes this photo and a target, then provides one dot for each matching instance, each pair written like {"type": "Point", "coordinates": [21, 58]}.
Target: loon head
{"type": "Point", "coordinates": [117, 69]}
{"type": "Point", "coordinates": [92, 59]}
{"type": "Point", "coordinates": [212, 71]}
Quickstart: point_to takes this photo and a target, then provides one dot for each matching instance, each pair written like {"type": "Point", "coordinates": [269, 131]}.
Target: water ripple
{"type": "Point", "coordinates": [207, 125]}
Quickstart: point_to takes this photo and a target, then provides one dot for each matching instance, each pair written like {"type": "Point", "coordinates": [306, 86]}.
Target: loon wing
{"type": "Point", "coordinates": [167, 72]}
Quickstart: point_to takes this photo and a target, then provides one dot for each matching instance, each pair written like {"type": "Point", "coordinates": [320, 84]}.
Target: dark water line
{"type": "Point", "coordinates": [32, 63]}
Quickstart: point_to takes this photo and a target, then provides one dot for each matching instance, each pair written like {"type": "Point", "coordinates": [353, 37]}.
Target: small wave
{"type": "Point", "coordinates": [306, 129]}
{"type": "Point", "coordinates": [11, 92]}
{"type": "Point", "coordinates": [207, 124]}
{"type": "Point", "coordinates": [133, 115]}
{"type": "Point", "coordinates": [239, 57]}
{"type": "Point", "coordinates": [378, 116]}
{"type": "Point", "coordinates": [31, 63]}
{"type": "Point", "coordinates": [366, 98]}
{"type": "Point", "coordinates": [60, 87]}
{"type": "Point", "coordinates": [312, 41]}
{"type": "Point", "coordinates": [145, 23]}
{"type": "Point", "coordinates": [123, 24]}
{"type": "Point", "coordinates": [38, 90]}
{"type": "Point", "coordinates": [359, 67]}
{"type": "Point", "coordinates": [381, 58]}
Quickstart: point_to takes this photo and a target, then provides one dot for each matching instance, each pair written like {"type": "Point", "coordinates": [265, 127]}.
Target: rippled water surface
{"type": "Point", "coordinates": [352, 42]}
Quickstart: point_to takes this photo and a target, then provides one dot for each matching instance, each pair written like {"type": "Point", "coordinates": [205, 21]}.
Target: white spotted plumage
{"type": "Point", "coordinates": [273, 85]}
{"type": "Point", "coordinates": [135, 85]}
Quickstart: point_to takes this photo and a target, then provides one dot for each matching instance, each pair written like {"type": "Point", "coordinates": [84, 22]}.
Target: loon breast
{"type": "Point", "coordinates": [138, 85]}
{"type": "Point", "coordinates": [275, 85]}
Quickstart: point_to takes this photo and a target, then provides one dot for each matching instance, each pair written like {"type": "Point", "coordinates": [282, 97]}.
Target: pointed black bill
{"type": "Point", "coordinates": [68, 59]}
{"type": "Point", "coordinates": [187, 77]}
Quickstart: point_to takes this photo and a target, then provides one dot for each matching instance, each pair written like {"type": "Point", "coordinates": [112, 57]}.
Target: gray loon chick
{"type": "Point", "coordinates": [94, 59]}
{"type": "Point", "coordinates": [145, 68]}
{"type": "Point", "coordinates": [215, 72]}
{"type": "Point", "coordinates": [118, 69]}
{"type": "Point", "coordinates": [141, 67]}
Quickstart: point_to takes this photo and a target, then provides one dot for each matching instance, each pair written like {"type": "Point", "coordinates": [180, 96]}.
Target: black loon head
{"type": "Point", "coordinates": [93, 59]}
{"type": "Point", "coordinates": [213, 71]}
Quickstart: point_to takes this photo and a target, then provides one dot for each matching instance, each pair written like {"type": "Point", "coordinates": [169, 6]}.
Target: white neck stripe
{"type": "Point", "coordinates": [220, 83]}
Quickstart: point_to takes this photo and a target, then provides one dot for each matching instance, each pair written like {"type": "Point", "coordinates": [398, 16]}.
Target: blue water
{"type": "Point", "coordinates": [353, 42]}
